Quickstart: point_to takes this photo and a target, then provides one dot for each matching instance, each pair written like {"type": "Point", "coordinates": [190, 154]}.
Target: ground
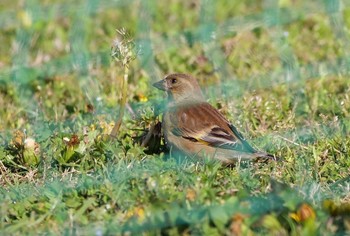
{"type": "Point", "coordinates": [278, 70]}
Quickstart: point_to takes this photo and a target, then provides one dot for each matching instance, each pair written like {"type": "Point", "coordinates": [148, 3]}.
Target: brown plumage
{"type": "Point", "coordinates": [193, 126]}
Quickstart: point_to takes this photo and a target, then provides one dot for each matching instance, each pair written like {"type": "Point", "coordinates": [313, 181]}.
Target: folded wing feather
{"type": "Point", "coordinates": [202, 123]}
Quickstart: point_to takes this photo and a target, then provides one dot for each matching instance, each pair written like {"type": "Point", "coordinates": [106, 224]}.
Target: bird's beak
{"type": "Point", "coordinates": [161, 85]}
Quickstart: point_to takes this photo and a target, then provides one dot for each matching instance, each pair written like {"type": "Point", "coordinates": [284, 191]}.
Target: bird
{"type": "Point", "coordinates": [194, 127]}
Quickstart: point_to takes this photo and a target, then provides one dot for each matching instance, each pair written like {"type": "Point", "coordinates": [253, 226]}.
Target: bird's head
{"type": "Point", "coordinates": [180, 88]}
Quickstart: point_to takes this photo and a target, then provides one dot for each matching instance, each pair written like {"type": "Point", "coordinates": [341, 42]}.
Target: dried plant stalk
{"type": "Point", "coordinates": [123, 52]}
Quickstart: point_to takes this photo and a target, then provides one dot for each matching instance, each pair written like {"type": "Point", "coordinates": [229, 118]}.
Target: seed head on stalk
{"type": "Point", "coordinates": [123, 51]}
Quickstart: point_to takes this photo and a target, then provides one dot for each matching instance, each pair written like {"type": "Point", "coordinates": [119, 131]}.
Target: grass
{"type": "Point", "coordinates": [283, 82]}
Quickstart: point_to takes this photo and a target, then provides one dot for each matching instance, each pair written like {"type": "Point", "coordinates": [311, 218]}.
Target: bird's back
{"type": "Point", "coordinates": [202, 124]}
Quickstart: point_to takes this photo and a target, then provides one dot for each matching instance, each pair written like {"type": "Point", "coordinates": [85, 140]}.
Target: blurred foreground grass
{"type": "Point", "coordinates": [279, 70]}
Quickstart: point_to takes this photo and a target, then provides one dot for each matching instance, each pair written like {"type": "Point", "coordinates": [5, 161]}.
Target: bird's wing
{"type": "Point", "coordinates": [204, 124]}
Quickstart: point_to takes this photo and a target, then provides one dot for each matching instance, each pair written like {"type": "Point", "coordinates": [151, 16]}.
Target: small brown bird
{"type": "Point", "coordinates": [193, 126]}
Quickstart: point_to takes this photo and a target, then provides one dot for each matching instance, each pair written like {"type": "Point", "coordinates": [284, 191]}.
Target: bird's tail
{"type": "Point", "coordinates": [266, 156]}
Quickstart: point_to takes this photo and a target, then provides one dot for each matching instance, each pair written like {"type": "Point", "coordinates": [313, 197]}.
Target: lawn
{"type": "Point", "coordinates": [278, 70]}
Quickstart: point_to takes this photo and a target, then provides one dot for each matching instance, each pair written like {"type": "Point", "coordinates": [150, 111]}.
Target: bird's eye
{"type": "Point", "coordinates": [173, 81]}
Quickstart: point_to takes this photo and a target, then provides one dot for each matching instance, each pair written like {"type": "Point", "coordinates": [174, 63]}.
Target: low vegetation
{"type": "Point", "coordinates": [279, 70]}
